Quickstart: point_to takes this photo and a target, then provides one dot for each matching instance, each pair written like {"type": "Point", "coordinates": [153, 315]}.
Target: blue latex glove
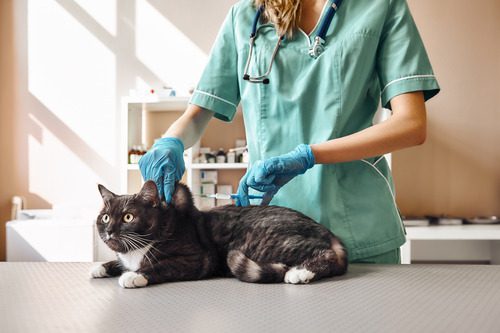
{"type": "Point", "coordinates": [164, 164]}
{"type": "Point", "coordinates": [270, 175]}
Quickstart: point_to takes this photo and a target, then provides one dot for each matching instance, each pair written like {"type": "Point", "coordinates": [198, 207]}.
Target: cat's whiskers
{"type": "Point", "coordinates": [140, 239]}
{"type": "Point", "coordinates": [136, 234]}
{"type": "Point", "coordinates": [122, 242]}
{"type": "Point", "coordinates": [126, 245]}
{"type": "Point", "coordinates": [132, 233]}
{"type": "Point", "coordinates": [140, 245]}
{"type": "Point", "coordinates": [135, 247]}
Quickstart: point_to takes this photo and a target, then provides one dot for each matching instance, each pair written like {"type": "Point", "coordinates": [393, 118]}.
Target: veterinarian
{"type": "Point", "coordinates": [309, 90]}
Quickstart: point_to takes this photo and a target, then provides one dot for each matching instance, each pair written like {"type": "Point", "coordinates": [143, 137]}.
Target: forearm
{"type": "Point", "coordinates": [405, 128]}
{"type": "Point", "coordinates": [190, 126]}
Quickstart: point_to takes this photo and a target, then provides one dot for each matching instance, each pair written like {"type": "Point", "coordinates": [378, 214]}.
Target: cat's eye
{"type": "Point", "coordinates": [105, 218]}
{"type": "Point", "coordinates": [128, 217]}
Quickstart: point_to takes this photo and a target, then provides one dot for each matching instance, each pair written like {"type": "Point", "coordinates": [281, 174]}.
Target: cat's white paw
{"type": "Point", "coordinates": [298, 275]}
{"type": "Point", "coordinates": [132, 280]}
{"type": "Point", "coordinates": [98, 271]}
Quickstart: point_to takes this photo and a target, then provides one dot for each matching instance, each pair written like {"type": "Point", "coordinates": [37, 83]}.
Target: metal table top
{"type": "Point", "coordinates": [59, 297]}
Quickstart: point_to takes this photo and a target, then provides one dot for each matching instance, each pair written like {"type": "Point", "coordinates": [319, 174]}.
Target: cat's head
{"type": "Point", "coordinates": [127, 222]}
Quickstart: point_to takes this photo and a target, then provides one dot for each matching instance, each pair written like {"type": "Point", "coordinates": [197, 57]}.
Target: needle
{"type": "Point", "coordinates": [223, 196]}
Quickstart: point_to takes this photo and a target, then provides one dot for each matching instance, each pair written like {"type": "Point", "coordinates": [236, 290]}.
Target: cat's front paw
{"type": "Point", "coordinates": [98, 271]}
{"type": "Point", "coordinates": [132, 280]}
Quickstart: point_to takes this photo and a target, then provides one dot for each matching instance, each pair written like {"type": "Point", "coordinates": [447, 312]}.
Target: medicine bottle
{"type": "Point", "coordinates": [221, 156]}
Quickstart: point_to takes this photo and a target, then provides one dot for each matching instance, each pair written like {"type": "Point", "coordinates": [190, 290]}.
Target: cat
{"type": "Point", "coordinates": [157, 243]}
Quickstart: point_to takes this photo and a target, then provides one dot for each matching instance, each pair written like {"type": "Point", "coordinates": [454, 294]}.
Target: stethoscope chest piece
{"type": "Point", "coordinates": [317, 48]}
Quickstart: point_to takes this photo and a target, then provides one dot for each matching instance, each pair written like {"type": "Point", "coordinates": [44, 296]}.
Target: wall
{"type": "Point", "coordinates": [7, 118]}
{"type": "Point", "coordinates": [64, 66]}
{"type": "Point", "coordinates": [456, 172]}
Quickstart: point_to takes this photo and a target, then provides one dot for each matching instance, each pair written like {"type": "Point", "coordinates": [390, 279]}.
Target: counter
{"type": "Point", "coordinates": [59, 297]}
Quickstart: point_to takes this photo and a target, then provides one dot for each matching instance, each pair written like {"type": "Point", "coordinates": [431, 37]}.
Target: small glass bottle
{"type": "Point", "coordinates": [221, 156]}
{"type": "Point", "coordinates": [231, 157]}
{"type": "Point", "coordinates": [210, 158]}
{"type": "Point", "coordinates": [130, 156]}
{"type": "Point", "coordinates": [133, 155]}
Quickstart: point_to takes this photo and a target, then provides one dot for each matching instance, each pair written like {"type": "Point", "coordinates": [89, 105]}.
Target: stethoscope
{"type": "Point", "coordinates": [315, 50]}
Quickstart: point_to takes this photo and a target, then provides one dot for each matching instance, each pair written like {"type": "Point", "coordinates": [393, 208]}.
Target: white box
{"type": "Point", "coordinates": [208, 176]}
{"type": "Point", "coordinates": [207, 203]}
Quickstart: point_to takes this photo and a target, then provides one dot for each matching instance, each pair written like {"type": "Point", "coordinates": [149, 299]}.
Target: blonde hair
{"type": "Point", "coordinates": [284, 14]}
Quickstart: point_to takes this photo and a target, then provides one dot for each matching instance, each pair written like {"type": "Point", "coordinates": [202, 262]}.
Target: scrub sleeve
{"type": "Point", "coordinates": [402, 62]}
{"type": "Point", "coordinates": [218, 88]}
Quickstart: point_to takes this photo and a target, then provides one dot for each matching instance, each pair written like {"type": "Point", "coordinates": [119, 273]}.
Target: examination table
{"type": "Point", "coordinates": [59, 297]}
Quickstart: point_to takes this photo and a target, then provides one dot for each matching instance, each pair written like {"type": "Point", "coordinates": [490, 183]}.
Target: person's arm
{"type": "Point", "coordinates": [405, 128]}
{"type": "Point", "coordinates": [164, 162]}
{"type": "Point", "coordinates": [190, 126]}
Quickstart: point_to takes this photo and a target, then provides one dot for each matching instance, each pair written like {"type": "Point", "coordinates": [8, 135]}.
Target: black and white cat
{"type": "Point", "coordinates": [156, 242]}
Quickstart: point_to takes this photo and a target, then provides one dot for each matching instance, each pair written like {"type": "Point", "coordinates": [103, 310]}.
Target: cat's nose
{"type": "Point", "coordinates": [112, 235]}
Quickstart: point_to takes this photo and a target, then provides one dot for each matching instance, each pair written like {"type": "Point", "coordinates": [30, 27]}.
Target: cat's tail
{"type": "Point", "coordinates": [245, 269]}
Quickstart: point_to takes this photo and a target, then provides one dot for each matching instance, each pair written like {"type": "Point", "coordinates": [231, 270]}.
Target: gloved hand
{"type": "Point", "coordinates": [270, 175]}
{"type": "Point", "coordinates": [164, 164]}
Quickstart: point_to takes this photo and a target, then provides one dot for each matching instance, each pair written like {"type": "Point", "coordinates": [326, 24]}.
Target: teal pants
{"type": "Point", "coordinates": [392, 257]}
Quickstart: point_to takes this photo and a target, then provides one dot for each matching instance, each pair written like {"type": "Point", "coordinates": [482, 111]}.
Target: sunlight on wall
{"type": "Point", "coordinates": [165, 50]}
{"type": "Point", "coordinates": [141, 85]}
{"type": "Point", "coordinates": [73, 74]}
{"type": "Point", "coordinates": [56, 173]}
{"type": "Point", "coordinates": [103, 11]}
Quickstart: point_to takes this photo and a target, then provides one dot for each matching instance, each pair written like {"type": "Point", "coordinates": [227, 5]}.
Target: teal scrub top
{"type": "Point", "coordinates": [373, 52]}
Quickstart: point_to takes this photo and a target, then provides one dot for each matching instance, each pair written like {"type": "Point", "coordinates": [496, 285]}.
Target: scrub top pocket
{"type": "Point", "coordinates": [367, 194]}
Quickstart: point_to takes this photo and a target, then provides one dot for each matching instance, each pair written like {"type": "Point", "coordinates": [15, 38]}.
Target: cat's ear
{"type": "Point", "coordinates": [149, 193]}
{"type": "Point", "coordinates": [182, 198]}
{"type": "Point", "coordinates": [105, 193]}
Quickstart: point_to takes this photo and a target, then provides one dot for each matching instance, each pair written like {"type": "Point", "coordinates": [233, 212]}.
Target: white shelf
{"type": "Point", "coordinates": [210, 166]}
{"type": "Point", "coordinates": [454, 232]}
{"type": "Point", "coordinates": [132, 166]}
{"type": "Point", "coordinates": [159, 104]}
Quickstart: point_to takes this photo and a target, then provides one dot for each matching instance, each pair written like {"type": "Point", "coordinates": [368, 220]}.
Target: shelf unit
{"type": "Point", "coordinates": [146, 119]}
{"type": "Point", "coordinates": [489, 233]}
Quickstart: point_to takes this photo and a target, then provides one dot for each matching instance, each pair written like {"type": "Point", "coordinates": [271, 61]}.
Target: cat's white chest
{"type": "Point", "coordinates": [132, 259]}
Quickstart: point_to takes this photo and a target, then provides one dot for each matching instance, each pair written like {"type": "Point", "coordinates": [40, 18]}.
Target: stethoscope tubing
{"type": "Point", "coordinates": [323, 29]}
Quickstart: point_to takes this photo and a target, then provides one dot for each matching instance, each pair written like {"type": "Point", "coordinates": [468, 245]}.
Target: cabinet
{"type": "Point", "coordinates": [144, 120]}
